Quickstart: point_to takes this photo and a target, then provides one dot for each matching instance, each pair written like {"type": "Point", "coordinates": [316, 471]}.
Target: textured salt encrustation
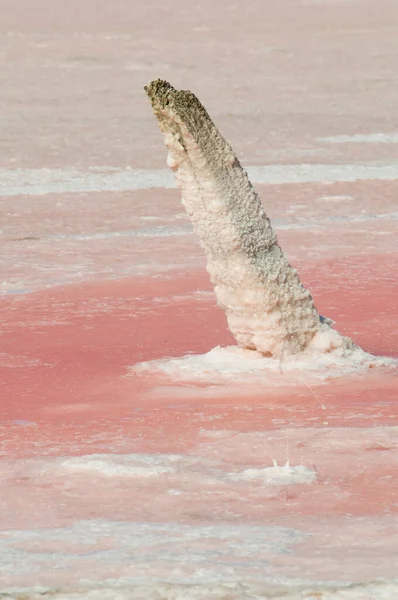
{"type": "Point", "coordinates": [145, 466]}
{"type": "Point", "coordinates": [144, 552]}
{"type": "Point", "coordinates": [378, 590]}
{"type": "Point", "coordinates": [101, 559]}
{"type": "Point", "coordinates": [139, 465]}
{"type": "Point", "coordinates": [267, 307]}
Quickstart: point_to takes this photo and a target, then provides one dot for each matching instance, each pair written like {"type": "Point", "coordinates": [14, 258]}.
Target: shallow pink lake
{"type": "Point", "coordinates": [127, 473]}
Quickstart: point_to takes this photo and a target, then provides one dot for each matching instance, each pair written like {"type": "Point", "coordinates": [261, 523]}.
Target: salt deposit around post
{"type": "Point", "coordinates": [268, 309]}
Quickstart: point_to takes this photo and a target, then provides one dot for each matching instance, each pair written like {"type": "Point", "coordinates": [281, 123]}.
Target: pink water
{"type": "Point", "coordinates": [126, 483]}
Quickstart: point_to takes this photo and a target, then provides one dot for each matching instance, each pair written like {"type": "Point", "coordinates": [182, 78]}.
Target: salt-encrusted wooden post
{"type": "Point", "coordinates": [267, 307]}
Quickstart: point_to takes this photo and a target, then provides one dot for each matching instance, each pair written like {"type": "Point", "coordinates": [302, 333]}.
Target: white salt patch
{"type": "Point", "coordinates": [204, 295]}
{"type": "Point", "coordinates": [326, 1]}
{"type": "Point", "coordinates": [277, 475]}
{"type": "Point", "coordinates": [133, 465]}
{"type": "Point", "coordinates": [201, 296]}
{"type": "Point", "coordinates": [152, 232]}
{"type": "Point", "coordinates": [284, 174]}
{"type": "Point", "coordinates": [154, 465]}
{"type": "Point", "coordinates": [38, 182]}
{"type": "Point", "coordinates": [335, 198]}
{"type": "Point", "coordinates": [189, 473]}
{"type": "Point", "coordinates": [18, 361]}
{"type": "Point", "coordinates": [235, 364]}
{"type": "Point", "coordinates": [362, 138]}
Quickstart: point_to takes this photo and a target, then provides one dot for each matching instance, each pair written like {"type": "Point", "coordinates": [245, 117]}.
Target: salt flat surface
{"type": "Point", "coordinates": [138, 460]}
{"type": "Point", "coordinates": [144, 553]}
{"type": "Point", "coordinates": [151, 522]}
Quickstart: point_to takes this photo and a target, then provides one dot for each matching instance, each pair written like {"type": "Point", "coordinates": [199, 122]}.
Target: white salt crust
{"type": "Point", "coordinates": [249, 368]}
{"type": "Point", "coordinates": [231, 590]}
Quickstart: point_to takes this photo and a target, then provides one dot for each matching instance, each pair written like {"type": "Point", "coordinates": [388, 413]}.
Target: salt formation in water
{"type": "Point", "coordinates": [267, 307]}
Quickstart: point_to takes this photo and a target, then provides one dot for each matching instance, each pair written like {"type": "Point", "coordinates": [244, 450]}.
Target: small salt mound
{"type": "Point", "coordinates": [223, 365]}
{"type": "Point", "coordinates": [277, 475]}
